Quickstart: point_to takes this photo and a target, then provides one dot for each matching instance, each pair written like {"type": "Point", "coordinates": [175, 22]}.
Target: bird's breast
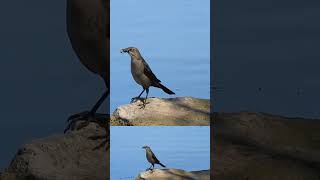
{"type": "Point", "coordinates": [137, 71]}
{"type": "Point", "coordinates": [149, 157]}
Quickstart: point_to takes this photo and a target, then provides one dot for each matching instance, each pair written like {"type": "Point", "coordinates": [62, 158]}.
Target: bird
{"type": "Point", "coordinates": [142, 74]}
{"type": "Point", "coordinates": [88, 30]}
{"type": "Point", "coordinates": [151, 158]}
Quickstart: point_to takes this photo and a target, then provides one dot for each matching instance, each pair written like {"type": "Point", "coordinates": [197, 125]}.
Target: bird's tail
{"type": "Point", "coordinates": [165, 89]}
{"type": "Point", "coordinates": [161, 165]}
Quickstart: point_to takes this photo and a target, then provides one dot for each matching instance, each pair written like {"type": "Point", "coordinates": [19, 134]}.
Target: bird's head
{"type": "Point", "coordinates": [132, 51]}
{"type": "Point", "coordinates": [145, 147]}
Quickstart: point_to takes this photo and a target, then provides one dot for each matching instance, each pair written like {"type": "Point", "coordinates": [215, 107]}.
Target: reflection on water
{"type": "Point", "coordinates": [185, 148]}
{"type": "Point", "coordinates": [173, 37]}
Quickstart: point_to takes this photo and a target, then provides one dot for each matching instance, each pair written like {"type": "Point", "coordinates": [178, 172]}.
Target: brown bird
{"type": "Point", "coordinates": [152, 158]}
{"type": "Point", "coordinates": [142, 74]}
{"type": "Point", "coordinates": [89, 33]}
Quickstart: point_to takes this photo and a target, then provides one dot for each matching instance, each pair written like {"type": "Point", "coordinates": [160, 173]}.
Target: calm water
{"type": "Point", "coordinates": [272, 45]}
{"type": "Point", "coordinates": [185, 148]}
{"type": "Point", "coordinates": [173, 37]}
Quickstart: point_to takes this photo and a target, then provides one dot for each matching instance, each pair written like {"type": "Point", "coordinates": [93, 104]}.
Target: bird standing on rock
{"type": "Point", "coordinates": [142, 74]}
{"type": "Point", "coordinates": [88, 30]}
{"type": "Point", "coordinates": [151, 157]}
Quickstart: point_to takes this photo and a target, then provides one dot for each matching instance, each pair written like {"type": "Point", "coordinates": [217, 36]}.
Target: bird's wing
{"type": "Point", "coordinates": [148, 72]}
{"type": "Point", "coordinates": [154, 157]}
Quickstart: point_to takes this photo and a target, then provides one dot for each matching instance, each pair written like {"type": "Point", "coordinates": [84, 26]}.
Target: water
{"type": "Point", "coordinates": [173, 37]}
{"type": "Point", "coordinates": [185, 148]}
{"type": "Point", "coordinates": [272, 45]}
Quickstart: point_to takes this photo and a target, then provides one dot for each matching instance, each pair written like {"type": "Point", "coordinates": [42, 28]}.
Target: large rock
{"type": "Point", "coordinates": [64, 157]}
{"type": "Point", "coordinates": [180, 111]}
{"type": "Point", "coordinates": [173, 174]}
{"type": "Point", "coordinates": [262, 146]}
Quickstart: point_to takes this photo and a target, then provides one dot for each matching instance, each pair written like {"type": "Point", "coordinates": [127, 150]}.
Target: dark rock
{"type": "Point", "coordinates": [262, 146]}
{"type": "Point", "coordinates": [65, 156]}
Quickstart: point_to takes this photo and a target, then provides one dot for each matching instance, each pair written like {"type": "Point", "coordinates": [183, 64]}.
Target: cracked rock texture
{"type": "Point", "coordinates": [180, 111]}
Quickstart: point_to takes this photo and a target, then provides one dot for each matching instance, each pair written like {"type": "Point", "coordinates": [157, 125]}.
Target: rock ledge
{"type": "Point", "coordinates": [180, 111]}
{"type": "Point", "coordinates": [173, 174]}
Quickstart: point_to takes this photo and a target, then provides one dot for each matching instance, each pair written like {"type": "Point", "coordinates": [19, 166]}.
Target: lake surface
{"type": "Point", "coordinates": [267, 57]}
{"type": "Point", "coordinates": [173, 37]}
{"type": "Point", "coordinates": [181, 147]}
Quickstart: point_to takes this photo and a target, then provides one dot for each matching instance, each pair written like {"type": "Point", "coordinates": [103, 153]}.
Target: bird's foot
{"type": "Point", "coordinates": [86, 117]}
{"type": "Point", "coordinates": [143, 105]}
{"type": "Point", "coordinates": [135, 99]}
{"type": "Point", "coordinates": [149, 169]}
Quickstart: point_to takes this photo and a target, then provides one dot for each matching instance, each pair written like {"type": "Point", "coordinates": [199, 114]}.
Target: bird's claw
{"type": "Point", "coordinates": [143, 105]}
{"type": "Point", "coordinates": [135, 99]}
{"type": "Point", "coordinates": [149, 169]}
{"type": "Point", "coordinates": [86, 117]}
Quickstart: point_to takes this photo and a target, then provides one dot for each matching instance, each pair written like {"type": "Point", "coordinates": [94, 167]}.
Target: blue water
{"type": "Point", "coordinates": [185, 148]}
{"type": "Point", "coordinates": [173, 37]}
{"type": "Point", "coordinates": [272, 45]}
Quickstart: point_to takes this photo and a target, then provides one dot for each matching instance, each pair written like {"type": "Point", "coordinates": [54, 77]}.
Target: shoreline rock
{"type": "Point", "coordinates": [179, 111]}
{"type": "Point", "coordinates": [62, 156]}
{"type": "Point", "coordinates": [262, 146]}
{"type": "Point", "coordinates": [173, 174]}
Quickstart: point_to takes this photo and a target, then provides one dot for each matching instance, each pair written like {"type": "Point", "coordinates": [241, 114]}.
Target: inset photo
{"type": "Point", "coordinates": [160, 63]}
{"type": "Point", "coordinates": [160, 152]}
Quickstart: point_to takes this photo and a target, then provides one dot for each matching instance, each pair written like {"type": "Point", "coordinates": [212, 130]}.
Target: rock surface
{"type": "Point", "coordinates": [67, 156]}
{"type": "Point", "coordinates": [173, 174]}
{"type": "Point", "coordinates": [262, 146]}
{"type": "Point", "coordinates": [180, 111]}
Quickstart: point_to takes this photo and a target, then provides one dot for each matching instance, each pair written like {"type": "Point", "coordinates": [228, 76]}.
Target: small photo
{"type": "Point", "coordinates": [160, 62]}
{"type": "Point", "coordinates": [159, 152]}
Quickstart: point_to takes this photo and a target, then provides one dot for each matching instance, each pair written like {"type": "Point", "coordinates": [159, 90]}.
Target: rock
{"type": "Point", "coordinates": [66, 156]}
{"type": "Point", "coordinates": [173, 174]}
{"type": "Point", "coordinates": [262, 146]}
{"type": "Point", "coordinates": [180, 111]}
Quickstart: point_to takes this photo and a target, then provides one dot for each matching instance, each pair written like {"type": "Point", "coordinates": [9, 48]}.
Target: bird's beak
{"type": "Point", "coordinates": [124, 50]}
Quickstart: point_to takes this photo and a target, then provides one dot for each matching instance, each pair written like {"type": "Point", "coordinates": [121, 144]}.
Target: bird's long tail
{"type": "Point", "coordinates": [165, 89]}
{"type": "Point", "coordinates": [161, 165]}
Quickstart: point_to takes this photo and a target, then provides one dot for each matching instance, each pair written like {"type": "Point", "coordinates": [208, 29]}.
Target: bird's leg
{"type": "Point", "coordinates": [91, 116]}
{"type": "Point", "coordinates": [134, 99]}
{"type": "Point", "coordinates": [145, 101]}
{"type": "Point", "coordinates": [143, 105]}
{"type": "Point", "coordinates": [149, 168]}
{"type": "Point", "coordinates": [87, 116]}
